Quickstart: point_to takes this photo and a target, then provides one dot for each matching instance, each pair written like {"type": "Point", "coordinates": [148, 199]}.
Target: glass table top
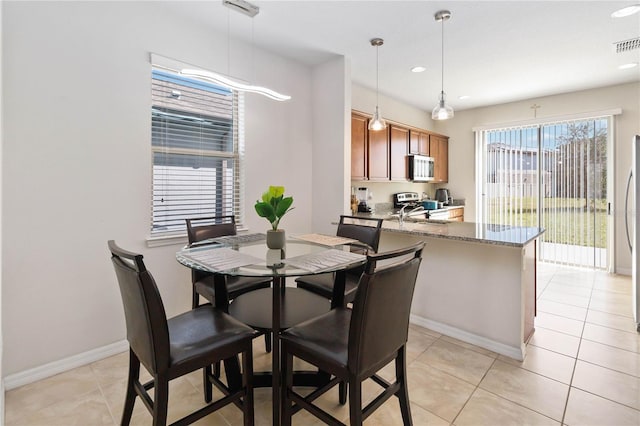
{"type": "Point", "coordinates": [248, 255]}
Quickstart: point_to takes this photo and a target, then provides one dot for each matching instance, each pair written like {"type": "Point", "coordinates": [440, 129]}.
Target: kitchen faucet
{"type": "Point", "coordinates": [402, 214]}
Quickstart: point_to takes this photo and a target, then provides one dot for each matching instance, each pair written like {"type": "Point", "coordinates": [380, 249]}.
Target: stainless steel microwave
{"type": "Point", "coordinates": [421, 168]}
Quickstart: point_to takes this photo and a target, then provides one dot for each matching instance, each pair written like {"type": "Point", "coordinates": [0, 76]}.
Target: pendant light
{"type": "Point", "coordinates": [377, 122]}
{"type": "Point", "coordinates": [442, 111]}
{"type": "Point", "coordinates": [233, 84]}
{"type": "Point", "coordinates": [251, 11]}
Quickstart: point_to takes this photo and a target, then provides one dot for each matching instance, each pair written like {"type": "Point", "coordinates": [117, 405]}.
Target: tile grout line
{"type": "Point", "coordinates": [575, 363]}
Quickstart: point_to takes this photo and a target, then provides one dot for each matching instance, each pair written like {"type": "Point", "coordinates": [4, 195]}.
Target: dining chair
{"type": "Point", "coordinates": [364, 229]}
{"type": "Point", "coordinates": [171, 348]}
{"type": "Point", "coordinates": [354, 344]}
{"type": "Point", "coordinates": [198, 231]}
{"type": "Point", "coordinates": [202, 229]}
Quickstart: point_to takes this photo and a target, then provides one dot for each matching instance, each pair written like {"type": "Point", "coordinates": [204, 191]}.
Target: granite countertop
{"type": "Point", "coordinates": [515, 236]}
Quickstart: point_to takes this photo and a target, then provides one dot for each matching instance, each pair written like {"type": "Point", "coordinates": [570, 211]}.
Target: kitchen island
{"type": "Point", "coordinates": [477, 282]}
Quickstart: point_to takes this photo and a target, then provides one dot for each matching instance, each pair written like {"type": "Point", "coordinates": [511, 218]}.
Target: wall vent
{"type": "Point", "coordinates": [627, 45]}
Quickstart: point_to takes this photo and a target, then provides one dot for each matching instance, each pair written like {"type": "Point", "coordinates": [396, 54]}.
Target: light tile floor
{"type": "Point", "coordinates": [582, 368]}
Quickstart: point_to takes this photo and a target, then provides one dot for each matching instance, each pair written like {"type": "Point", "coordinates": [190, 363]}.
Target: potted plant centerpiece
{"type": "Point", "coordinates": [273, 206]}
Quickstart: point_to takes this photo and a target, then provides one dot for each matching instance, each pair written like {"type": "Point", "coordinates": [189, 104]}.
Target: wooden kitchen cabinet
{"type": "Point", "coordinates": [382, 155]}
{"type": "Point", "coordinates": [359, 157]}
{"type": "Point", "coordinates": [439, 150]}
{"type": "Point", "coordinates": [379, 154]}
{"type": "Point", "coordinates": [418, 143]}
{"type": "Point", "coordinates": [399, 142]}
{"type": "Point", "coordinates": [456, 214]}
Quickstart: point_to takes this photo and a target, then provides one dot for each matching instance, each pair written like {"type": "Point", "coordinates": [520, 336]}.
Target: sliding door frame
{"type": "Point", "coordinates": [481, 169]}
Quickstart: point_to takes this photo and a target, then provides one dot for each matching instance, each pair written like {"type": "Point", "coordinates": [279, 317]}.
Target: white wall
{"type": "Point", "coordinates": [76, 167]}
{"type": "Point", "coordinates": [1, 149]}
{"type": "Point", "coordinates": [364, 99]}
{"type": "Point", "coordinates": [462, 143]}
{"type": "Point", "coordinates": [331, 162]}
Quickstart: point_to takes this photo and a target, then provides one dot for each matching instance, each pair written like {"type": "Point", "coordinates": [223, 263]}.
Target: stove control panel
{"type": "Point", "coordinates": [402, 198]}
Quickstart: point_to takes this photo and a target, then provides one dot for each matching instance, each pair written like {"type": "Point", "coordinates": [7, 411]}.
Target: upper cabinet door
{"type": "Point", "coordinates": [379, 154]}
{"type": "Point", "coordinates": [399, 141]}
{"type": "Point", "coordinates": [359, 160]}
{"type": "Point", "coordinates": [439, 150]}
{"type": "Point", "coordinates": [418, 143]}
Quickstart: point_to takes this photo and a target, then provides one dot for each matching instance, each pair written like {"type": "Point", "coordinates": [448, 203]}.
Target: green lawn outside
{"type": "Point", "coordinates": [566, 220]}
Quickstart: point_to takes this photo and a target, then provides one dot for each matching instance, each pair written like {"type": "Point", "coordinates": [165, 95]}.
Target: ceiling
{"type": "Point", "coordinates": [495, 51]}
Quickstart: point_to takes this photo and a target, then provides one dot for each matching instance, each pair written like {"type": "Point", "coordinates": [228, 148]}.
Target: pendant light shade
{"type": "Point", "coordinates": [377, 122]}
{"type": "Point", "coordinates": [442, 111]}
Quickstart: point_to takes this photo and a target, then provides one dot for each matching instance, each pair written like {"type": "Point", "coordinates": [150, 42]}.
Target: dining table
{"type": "Point", "coordinates": [277, 308]}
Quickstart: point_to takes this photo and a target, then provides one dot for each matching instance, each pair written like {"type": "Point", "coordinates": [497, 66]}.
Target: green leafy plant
{"type": "Point", "coordinates": [274, 205]}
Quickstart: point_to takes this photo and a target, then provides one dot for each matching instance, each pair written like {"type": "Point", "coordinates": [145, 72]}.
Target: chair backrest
{"type": "Point", "coordinates": [146, 320]}
{"type": "Point", "coordinates": [203, 228]}
{"type": "Point", "coordinates": [364, 229]}
{"type": "Point", "coordinates": [380, 319]}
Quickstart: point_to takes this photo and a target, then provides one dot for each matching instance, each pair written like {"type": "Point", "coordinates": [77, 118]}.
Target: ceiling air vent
{"type": "Point", "coordinates": [242, 6]}
{"type": "Point", "coordinates": [627, 45]}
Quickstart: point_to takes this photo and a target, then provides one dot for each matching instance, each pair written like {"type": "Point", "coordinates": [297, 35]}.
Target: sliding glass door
{"type": "Point", "coordinates": [550, 175]}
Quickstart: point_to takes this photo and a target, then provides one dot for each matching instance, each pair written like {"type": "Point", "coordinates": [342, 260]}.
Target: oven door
{"type": "Point", "coordinates": [421, 168]}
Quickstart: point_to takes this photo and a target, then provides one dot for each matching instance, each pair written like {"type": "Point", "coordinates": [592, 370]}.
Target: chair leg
{"type": "Point", "coordinates": [355, 402]}
{"type": "Point", "coordinates": [247, 378]}
{"type": "Point", "coordinates": [216, 369]}
{"type": "Point", "coordinates": [232, 371]}
{"type": "Point", "coordinates": [195, 299]}
{"type": "Point", "coordinates": [206, 383]}
{"type": "Point", "coordinates": [403, 392]}
{"type": "Point", "coordinates": [287, 374]}
{"type": "Point", "coordinates": [160, 400]}
{"type": "Point", "coordinates": [267, 342]}
{"type": "Point", "coordinates": [342, 393]}
{"type": "Point", "coordinates": [130, 399]}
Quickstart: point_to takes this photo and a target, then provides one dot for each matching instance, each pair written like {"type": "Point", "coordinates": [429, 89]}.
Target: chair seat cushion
{"type": "Point", "coordinates": [325, 337]}
{"type": "Point", "coordinates": [198, 333]}
{"type": "Point", "coordinates": [322, 284]}
{"type": "Point", "coordinates": [235, 286]}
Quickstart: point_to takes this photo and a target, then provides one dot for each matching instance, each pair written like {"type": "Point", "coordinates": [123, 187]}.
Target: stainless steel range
{"type": "Point", "coordinates": [409, 199]}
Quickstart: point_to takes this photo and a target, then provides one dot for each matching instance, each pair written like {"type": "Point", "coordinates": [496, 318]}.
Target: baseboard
{"type": "Point", "coordinates": [624, 271]}
{"type": "Point", "coordinates": [465, 336]}
{"type": "Point", "coordinates": [13, 381]}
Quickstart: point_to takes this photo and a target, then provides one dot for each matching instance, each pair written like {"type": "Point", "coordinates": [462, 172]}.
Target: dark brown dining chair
{"type": "Point", "coordinates": [364, 229]}
{"type": "Point", "coordinates": [198, 231]}
{"type": "Point", "coordinates": [354, 344]}
{"type": "Point", "coordinates": [170, 348]}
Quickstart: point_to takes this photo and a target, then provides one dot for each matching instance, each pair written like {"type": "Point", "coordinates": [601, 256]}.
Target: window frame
{"type": "Point", "coordinates": [235, 154]}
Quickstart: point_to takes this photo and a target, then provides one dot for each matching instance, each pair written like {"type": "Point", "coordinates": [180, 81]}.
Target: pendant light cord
{"type": "Point", "coordinates": [442, 74]}
{"type": "Point", "coordinates": [228, 43]}
{"type": "Point", "coordinates": [377, 70]}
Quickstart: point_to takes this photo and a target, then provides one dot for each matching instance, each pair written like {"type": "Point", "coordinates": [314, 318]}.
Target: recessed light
{"type": "Point", "coordinates": [463, 97]}
{"type": "Point", "coordinates": [626, 11]}
{"type": "Point", "coordinates": [418, 69]}
{"type": "Point", "coordinates": [627, 66]}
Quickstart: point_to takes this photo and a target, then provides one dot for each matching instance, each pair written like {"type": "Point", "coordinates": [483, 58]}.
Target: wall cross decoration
{"type": "Point", "coordinates": [535, 107]}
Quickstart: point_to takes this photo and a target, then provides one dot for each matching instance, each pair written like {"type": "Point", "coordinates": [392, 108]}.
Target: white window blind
{"type": "Point", "coordinates": [552, 175]}
{"type": "Point", "coordinates": [196, 146]}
